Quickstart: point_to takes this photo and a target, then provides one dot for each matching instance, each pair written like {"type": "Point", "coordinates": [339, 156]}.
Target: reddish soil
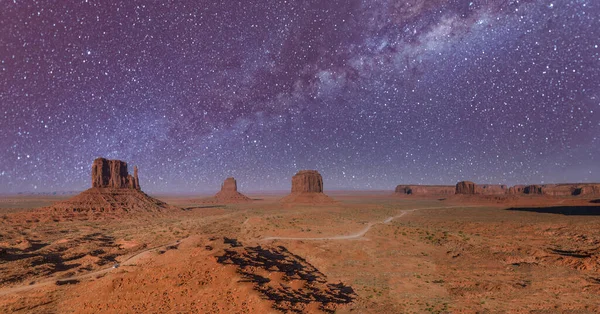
{"type": "Point", "coordinates": [366, 253]}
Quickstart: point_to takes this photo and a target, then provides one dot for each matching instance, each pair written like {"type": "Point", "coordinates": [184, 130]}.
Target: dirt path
{"type": "Point", "coordinates": [361, 233]}
{"type": "Point", "coordinates": [129, 261]}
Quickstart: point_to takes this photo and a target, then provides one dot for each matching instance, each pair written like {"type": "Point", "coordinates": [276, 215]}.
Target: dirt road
{"type": "Point", "coordinates": [359, 234]}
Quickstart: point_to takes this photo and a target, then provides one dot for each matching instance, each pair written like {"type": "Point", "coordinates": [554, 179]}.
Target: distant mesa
{"type": "Point", "coordinates": [229, 193]}
{"type": "Point", "coordinates": [307, 188]}
{"type": "Point", "coordinates": [113, 190]}
{"type": "Point", "coordinates": [576, 189]}
{"type": "Point", "coordinates": [590, 189]}
{"type": "Point", "coordinates": [465, 187]}
{"type": "Point", "coordinates": [491, 189]}
{"type": "Point", "coordinates": [533, 190]}
{"type": "Point", "coordinates": [471, 188]}
{"type": "Point", "coordinates": [425, 189]}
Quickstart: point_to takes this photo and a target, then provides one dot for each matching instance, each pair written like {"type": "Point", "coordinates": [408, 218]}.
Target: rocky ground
{"type": "Point", "coordinates": [366, 253]}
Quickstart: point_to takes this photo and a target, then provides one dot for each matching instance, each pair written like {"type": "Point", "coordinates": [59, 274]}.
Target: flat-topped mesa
{"type": "Point", "coordinates": [561, 189]}
{"type": "Point", "coordinates": [113, 174]}
{"type": "Point", "coordinates": [307, 187]}
{"type": "Point", "coordinates": [491, 189]}
{"type": "Point", "coordinates": [465, 187]}
{"type": "Point", "coordinates": [425, 189]}
{"type": "Point", "coordinates": [533, 189]}
{"type": "Point", "coordinates": [307, 181]}
{"type": "Point", "coordinates": [517, 189]}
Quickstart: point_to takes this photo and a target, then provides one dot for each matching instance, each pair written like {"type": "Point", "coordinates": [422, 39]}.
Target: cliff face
{"type": "Point", "coordinates": [113, 174]}
{"type": "Point", "coordinates": [307, 188]}
{"type": "Point", "coordinates": [307, 181]}
{"type": "Point", "coordinates": [491, 189]}
{"type": "Point", "coordinates": [113, 191]}
{"type": "Point", "coordinates": [465, 187]}
{"type": "Point", "coordinates": [230, 185]}
{"type": "Point", "coordinates": [425, 189]}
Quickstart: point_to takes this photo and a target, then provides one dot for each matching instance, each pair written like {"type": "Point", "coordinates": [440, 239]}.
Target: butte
{"type": "Point", "coordinates": [307, 188]}
{"type": "Point", "coordinates": [113, 190]}
{"type": "Point", "coordinates": [230, 194]}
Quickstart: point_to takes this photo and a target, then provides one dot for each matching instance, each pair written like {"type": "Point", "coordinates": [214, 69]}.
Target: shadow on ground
{"type": "Point", "coordinates": [44, 259]}
{"type": "Point", "coordinates": [563, 210]}
{"type": "Point", "coordinates": [254, 263]}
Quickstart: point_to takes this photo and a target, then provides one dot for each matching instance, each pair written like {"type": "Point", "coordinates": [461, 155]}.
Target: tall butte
{"type": "Point", "coordinates": [113, 174]}
{"type": "Point", "coordinates": [307, 187]}
{"type": "Point", "coordinates": [230, 194]}
{"type": "Point", "coordinates": [113, 190]}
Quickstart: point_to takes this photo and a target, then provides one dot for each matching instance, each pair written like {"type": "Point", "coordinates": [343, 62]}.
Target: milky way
{"type": "Point", "coordinates": [371, 93]}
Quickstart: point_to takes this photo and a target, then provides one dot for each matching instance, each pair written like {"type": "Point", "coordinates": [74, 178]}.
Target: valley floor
{"type": "Point", "coordinates": [368, 253]}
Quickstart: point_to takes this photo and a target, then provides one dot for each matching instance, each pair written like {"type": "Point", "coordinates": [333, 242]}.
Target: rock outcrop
{"type": "Point", "coordinates": [307, 181]}
{"type": "Point", "coordinates": [533, 190]}
{"type": "Point", "coordinates": [562, 189]}
{"type": "Point", "coordinates": [113, 174]}
{"type": "Point", "coordinates": [465, 187]}
{"type": "Point", "coordinates": [230, 194]}
{"type": "Point", "coordinates": [588, 189]}
{"type": "Point", "coordinates": [113, 190]}
{"type": "Point", "coordinates": [490, 189]}
{"type": "Point", "coordinates": [516, 190]}
{"type": "Point", "coordinates": [425, 189]}
{"type": "Point", "coordinates": [307, 187]}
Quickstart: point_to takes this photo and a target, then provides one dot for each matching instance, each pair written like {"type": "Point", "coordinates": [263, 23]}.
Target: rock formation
{"type": "Point", "coordinates": [113, 174]}
{"type": "Point", "coordinates": [533, 189]}
{"type": "Point", "coordinates": [230, 194]}
{"type": "Point", "coordinates": [563, 189]}
{"type": "Point", "coordinates": [425, 189]}
{"type": "Point", "coordinates": [307, 181]}
{"type": "Point", "coordinates": [307, 187]}
{"type": "Point", "coordinates": [588, 189]}
{"type": "Point", "coordinates": [517, 189]}
{"type": "Point", "coordinates": [113, 190]}
{"type": "Point", "coordinates": [465, 187]}
{"type": "Point", "coordinates": [491, 189]}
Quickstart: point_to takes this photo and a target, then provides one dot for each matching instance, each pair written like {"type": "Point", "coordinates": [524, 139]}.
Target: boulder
{"type": "Point", "coordinates": [465, 187]}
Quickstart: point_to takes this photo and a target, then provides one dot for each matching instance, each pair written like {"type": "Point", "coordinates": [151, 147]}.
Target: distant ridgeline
{"type": "Point", "coordinates": [470, 188]}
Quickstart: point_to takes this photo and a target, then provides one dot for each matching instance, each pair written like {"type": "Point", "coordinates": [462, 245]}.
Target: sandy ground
{"type": "Point", "coordinates": [369, 253]}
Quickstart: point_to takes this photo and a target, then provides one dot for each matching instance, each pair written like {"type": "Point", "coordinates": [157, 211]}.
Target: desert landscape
{"type": "Point", "coordinates": [417, 249]}
{"type": "Point", "coordinates": [315, 156]}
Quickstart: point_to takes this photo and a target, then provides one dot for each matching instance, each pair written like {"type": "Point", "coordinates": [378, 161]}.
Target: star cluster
{"type": "Point", "coordinates": [371, 93]}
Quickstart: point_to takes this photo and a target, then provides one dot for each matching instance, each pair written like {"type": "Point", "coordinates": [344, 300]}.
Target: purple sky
{"type": "Point", "coordinates": [371, 93]}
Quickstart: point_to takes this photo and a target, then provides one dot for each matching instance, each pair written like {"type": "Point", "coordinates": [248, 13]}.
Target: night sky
{"type": "Point", "coordinates": [371, 93]}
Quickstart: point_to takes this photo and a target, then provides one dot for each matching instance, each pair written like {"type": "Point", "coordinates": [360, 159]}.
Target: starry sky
{"type": "Point", "coordinates": [371, 93]}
